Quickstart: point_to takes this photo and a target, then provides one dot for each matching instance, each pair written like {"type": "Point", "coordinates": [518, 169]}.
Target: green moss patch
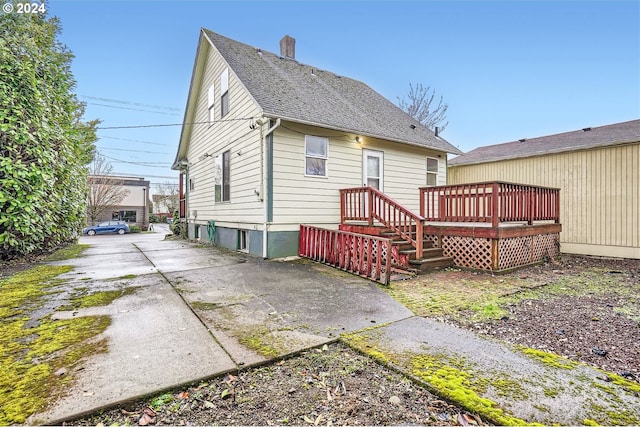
{"type": "Point", "coordinates": [33, 347]}
{"type": "Point", "coordinates": [70, 252]}
{"type": "Point", "coordinates": [262, 342]}
{"type": "Point", "coordinates": [97, 299]}
{"type": "Point", "coordinates": [549, 359]}
{"type": "Point", "coordinates": [454, 380]}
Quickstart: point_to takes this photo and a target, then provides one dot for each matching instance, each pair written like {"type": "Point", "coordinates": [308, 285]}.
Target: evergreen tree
{"type": "Point", "coordinates": [44, 145]}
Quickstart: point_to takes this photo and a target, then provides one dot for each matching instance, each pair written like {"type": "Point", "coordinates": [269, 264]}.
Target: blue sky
{"type": "Point", "coordinates": [507, 69]}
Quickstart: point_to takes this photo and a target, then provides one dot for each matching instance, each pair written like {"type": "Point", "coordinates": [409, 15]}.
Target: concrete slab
{"type": "Point", "coordinates": [103, 266]}
{"type": "Point", "coordinates": [154, 343]}
{"type": "Point", "coordinates": [168, 257]}
{"type": "Point", "coordinates": [260, 309]}
{"type": "Point", "coordinates": [555, 392]}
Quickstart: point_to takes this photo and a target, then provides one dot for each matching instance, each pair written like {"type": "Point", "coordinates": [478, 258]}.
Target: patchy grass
{"type": "Point", "coordinates": [452, 292]}
{"type": "Point", "coordinates": [467, 296]}
{"type": "Point", "coordinates": [33, 346]}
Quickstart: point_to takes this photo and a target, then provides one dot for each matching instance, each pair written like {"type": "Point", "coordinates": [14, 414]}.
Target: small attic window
{"type": "Point", "coordinates": [224, 92]}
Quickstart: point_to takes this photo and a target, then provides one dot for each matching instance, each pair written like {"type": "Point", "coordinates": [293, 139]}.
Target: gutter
{"type": "Point", "coordinates": [263, 179]}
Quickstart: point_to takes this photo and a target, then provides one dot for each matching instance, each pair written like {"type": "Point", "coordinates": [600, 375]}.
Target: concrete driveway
{"type": "Point", "coordinates": [198, 311]}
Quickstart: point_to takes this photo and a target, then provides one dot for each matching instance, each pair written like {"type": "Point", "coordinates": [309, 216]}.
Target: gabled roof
{"type": "Point", "coordinates": [615, 134]}
{"type": "Point", "coordinates": [284, 88]}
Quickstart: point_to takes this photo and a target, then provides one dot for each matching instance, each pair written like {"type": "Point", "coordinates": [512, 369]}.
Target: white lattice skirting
{"type": "Point", "coordinates": [475, 252]}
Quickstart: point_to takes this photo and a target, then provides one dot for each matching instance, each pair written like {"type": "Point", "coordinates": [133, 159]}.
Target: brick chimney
{"type": "Point", "coordinates": [288, 47]}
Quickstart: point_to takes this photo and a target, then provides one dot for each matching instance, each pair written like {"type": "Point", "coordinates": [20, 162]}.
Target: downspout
{"type": "Point", "coordinates": [263, 178]}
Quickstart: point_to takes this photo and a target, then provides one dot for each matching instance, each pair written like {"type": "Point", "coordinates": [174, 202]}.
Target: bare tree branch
{"type": "Point", "coordinates": [105, 191]}
{"type": "Point", "coordinates": [167, 196]}
{"type": "Point", "coordinates": [420, 105]}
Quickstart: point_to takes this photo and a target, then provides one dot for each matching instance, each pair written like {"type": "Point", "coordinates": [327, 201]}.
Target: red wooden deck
{"type": "Point", "coordinates": [488, 226]}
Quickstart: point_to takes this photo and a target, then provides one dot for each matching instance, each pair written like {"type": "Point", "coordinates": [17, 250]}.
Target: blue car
{"type": "Point", "coordinates": [107, 227]}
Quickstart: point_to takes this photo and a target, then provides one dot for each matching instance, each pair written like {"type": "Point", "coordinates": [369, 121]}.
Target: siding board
{"type": "Point", "coordinates": [599, 198]}
{"type": "Point", "coordinates": [221, 136]}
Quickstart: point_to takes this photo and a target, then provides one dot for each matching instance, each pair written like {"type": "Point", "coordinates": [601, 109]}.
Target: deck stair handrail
{"type": "Point", "coordinates": [493, 202]}
{"type": "Point", "coordinates": [365, 255]}
{"type": "Point", "coordinates": [369, 204]}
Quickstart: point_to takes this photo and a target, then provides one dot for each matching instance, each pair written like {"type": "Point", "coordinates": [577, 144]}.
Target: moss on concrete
{"type": "Point", "coordinates": [454, 380]}
{"type": "Point", "coordinates": [34, 346]}
{"type": "Point", "coordinates": [262, 341]}
{"type": "Point", "coordinates": [201, 305]}
{"type": "Point", "coordinates": [69, 252]}
{"type": "Point", "coordinates": [451, 378]}
{"type": "Point", "coordinates": [549, 359]}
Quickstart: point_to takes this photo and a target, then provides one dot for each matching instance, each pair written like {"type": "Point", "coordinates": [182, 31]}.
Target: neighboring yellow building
{"type": "Point", "coordinates": [597, 170]}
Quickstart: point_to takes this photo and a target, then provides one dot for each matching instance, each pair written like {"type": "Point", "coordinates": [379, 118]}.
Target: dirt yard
{"type": "Point", "coordinates": [586, 309]}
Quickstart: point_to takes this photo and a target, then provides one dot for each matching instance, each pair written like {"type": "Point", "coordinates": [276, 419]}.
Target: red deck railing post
{"type": "Point", "coordinates": [370, 210]}
{"type": "Point", "coordinates": [495, 219]}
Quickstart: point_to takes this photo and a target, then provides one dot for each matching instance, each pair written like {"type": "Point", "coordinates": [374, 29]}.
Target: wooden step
{"type": "Point", "coordinates": [432, 264]}
{"type": "Point", "coordinates": [426, 253]}
{"type": "Point", "coordinates": [404, 245]}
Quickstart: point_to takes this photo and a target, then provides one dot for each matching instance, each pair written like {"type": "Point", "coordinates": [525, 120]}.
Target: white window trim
{"type": "Point", "coordinates": [243, 237]}
{"type": "Point", "coordinates": [325, 158]}
{"type": "Point", "coordinates": [220, 158]}
{"type": "Point", "coordinates": [211, 100]}
{"type": "Point", "coordinates": [428, 172]}
{"type": "Point", "coordinates": [224, 90]}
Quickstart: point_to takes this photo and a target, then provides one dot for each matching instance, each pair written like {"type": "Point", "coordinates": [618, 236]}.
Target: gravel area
{"type": "Point", "coordinates": [329, 386]}
{"type": "Point", "coordinates": [594, 319]}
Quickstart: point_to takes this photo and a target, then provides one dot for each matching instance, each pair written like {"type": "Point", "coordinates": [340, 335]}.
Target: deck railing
{"type": "Point", "coordinates": [369, 204]}
{"type": "Point", "coordinates": [492, 202]}
{"type": "Point", "coordinates": [183, 208]}
{"type": "Point", "coordinates": [181, 196]}
{"type": "Point", "coordinates": [367, 256]}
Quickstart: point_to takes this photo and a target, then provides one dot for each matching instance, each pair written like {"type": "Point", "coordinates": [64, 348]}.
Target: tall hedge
{"type": "Point", "coordinates": [44, 145]}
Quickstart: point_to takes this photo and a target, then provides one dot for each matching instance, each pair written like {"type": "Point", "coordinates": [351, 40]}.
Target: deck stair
{"type": "Point", "coordinates": [432, 258]}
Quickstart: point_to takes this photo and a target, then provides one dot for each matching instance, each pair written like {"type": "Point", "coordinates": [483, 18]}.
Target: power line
{"type": "Point", "coordinates": [137, 104]}
{"type": "Point", "coordinates": [133, 140]}
{"type": "Point", "coordinates": [145, 164]}
{"type": "Point", "coordinates": [132, 151]}
{"type": "Point", "coordinates": [144, 176]}
{"type": "Point", "coordinates": [133, 109]}
{"type": "Point", "coordinates": [173, 124]}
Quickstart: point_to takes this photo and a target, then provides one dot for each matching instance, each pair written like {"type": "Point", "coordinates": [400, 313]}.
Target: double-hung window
{"type": "Point", "coordinates": [432, 171]}
{"type": "Point", "coordinates": [316, 155]}
{"type": "Point", "coordinates": [222, 177]}
{"type": "Point", "coordinates": [224, 92]}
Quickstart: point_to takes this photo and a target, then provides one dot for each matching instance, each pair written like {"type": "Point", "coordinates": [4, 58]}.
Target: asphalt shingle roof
{"type": "Point", "coordinates": [302, 93]}
{"type": "Point", "coordinates": [618, 133]}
